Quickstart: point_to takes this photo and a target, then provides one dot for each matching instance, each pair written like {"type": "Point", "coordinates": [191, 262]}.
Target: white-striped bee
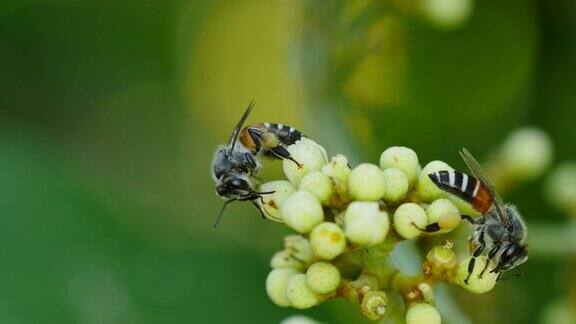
{"type": "Point", "coordinates": [500, 231]}
{"type": "Point", "coordinates": [236, 164]}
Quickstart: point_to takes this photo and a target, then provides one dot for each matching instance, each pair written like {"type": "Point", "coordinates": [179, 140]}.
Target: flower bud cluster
{"type": "Point", "coordinates": [339, 211]}
{"type": "Point", "coordinates": [291, 287]}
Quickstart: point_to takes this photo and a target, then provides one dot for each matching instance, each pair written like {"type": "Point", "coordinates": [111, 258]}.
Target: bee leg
{"type": "Point", "coordinates": [430, 228]}
{"type": "Point", "coordinates": [491, 256]}
{"type": "Point", "coordinates": [281, 152]}
{"type": "Point", "coordinates": [476, 254]}
{"type": "Point", "coordinates": [435, 227]}
{"type": "Point", "coordinates": [469, 219]}
{"type": "Point", "coordinates": [259, 209]}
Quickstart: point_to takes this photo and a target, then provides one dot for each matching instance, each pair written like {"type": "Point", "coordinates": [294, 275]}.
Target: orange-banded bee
{"type": "Point", "coordinates": [236, 164]}
{"type": "Point", "coordinates": [500, 231]}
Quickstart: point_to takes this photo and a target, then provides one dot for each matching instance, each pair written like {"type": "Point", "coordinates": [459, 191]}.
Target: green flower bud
{"type": "Point", "coordinates": [408, 218]}
{"type": "Point", "coordinates": [302, 211]}
{"type": "Point", "coordinates": [322, 277]}
{"type": "Point", "coordinates": [318, 184]}
{"type": "Point", "coordinates": [365, 224]}
{"type": "Point", "coordinates": [309, 154]}
{"type": "Point", "coordinates": [396, 185]}
{"type": "Point", "coordinates": [422, 313]}
{"type": "Point", "coordinates": [526, 153]}
{"type": "Point", "coordinates": [475, 284]}
{"type": "Point", "coordinates": [327, 240]}
{"type": "Point", "coordinates": [339, 171]}
{"type": "Point", "coordinates": [427, 292]}
{"type": "Point", "coordinates": [272, 202]}
{"type": "Point", "coordinates": [448, 13]}
{"type": "Point", "coordinates": [445, 213]}
{"type": "Point", "coordinates": [374, 304]}
{"type": "Point", "coordinates": [561, 187]}
{"type": "Point", "coordinates": [442, 256]}
{"type": "Point", "coordinates": [285, 259]}
{"type": "Point", "coordinates": [366, 183]}
{"type": "Point", "coordinates": [401, 158]}
{"type": "Point", "coordinates": [426, 190]}
{"type": "Point", "coordinates": [299, 247]}
{"type": "Point", "coordinates": [276, 285]}
{"type": "Point", "coordinates": [298, 293]}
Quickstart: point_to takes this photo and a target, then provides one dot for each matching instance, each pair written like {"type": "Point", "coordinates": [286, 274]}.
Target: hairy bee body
{"type": "Point", "coordinates": [236, 165]}
{"type": "Point", "coordinates": [500, 232]}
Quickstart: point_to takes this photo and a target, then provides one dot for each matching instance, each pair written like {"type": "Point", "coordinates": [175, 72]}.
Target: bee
{"type": "Point", "coordinates": [235, 165]}
{"type": "Point", "coordinates": [500, 231]}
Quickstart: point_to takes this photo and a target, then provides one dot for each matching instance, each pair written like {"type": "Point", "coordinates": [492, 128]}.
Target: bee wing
{"type": "Point", "coordinates": [480, 174]}
{"type": "Point", "coordinates": [236, 132]}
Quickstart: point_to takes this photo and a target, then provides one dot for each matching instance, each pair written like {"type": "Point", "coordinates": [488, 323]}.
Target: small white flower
{"type": "Point", "coordinates": [285, 259]}
{"type": "Point", "coordinates": [396, 185]}
{"type": "Point", "coordinates": [448, 13]}
{"type": "Point", "coordinates": [327, 240]}
{"type": "Point", "coordinates": [299, 247]}
{"type": "Point", "coordinates": [276, 285]}
{"type": "Point", "coordinates": [298, 293]}
{"type": "Point", "coordinates": [322, 277]}
{"type": "Point", "coordinates": [408, 218]}
{"type": "Point", "coordinates": [442, 256]}
{"type": "Point", "coordinates": [526, 153]}
{"type": "Point", "coordinates": [298, 319]}
{"type": "Point", "coordinates": [302, 211]}
{"type": "Point", "coordinates": [365, 224]}
{"type": "Point", "coordinates": [445, 213]}
{"type": "Point", "coordinates": [374, 304]}
{"type": "Point", "coordinates": [401, 158]}
{"type": "Point", "coordinates": [366, 183]}
{"type": "Point", "coordinates": [339, 171]}
{"type": "Point", "coordinates": [426, 190]}
{"type": "Point", "coordinates": [281, 190]}
{"type": "Point", "coordinates": [427, 292]}
{"type": "Point", "coordinates": [422, 313]}
{"type": "Point", "coordinates": [318, 184]}
{"type": "Point", "coordinates": [561, 187]}
{"type": "Point", "coordinates": [475, 284]}
{"type": "Point", "coordinates": [310, 155]}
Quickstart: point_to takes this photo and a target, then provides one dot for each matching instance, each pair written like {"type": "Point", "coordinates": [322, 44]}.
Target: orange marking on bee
{"type": "Point", "coordinates": [482, 201]}
{"type": "Point", "coordinates": [247, 139]}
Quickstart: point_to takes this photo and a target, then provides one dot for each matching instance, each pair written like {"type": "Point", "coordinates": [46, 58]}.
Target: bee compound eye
{"type": "Point", "coordinates": [510, 252]}
{"type": "Point", "coordinates": [236, 182]}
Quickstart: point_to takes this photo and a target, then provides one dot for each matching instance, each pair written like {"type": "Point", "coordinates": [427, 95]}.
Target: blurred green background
{"type": "Point", "coordinates": [110, 112]}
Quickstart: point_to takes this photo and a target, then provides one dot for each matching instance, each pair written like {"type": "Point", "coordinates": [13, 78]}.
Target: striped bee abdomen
{"type": "Point", "coordinates": [268, 137]}
{"type": "Point", "coordinates": [286, 134]}
{"type": "Point", "coordinates": [464, 186]}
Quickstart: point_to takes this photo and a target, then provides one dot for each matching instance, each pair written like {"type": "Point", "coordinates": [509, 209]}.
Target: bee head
{"type": "Point", "coordinates": [513, 256]}
{"type": "Point", "coordinates": [234, 186]}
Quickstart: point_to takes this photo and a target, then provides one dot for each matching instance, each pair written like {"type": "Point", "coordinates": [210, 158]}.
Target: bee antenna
{"type": "Point", "coordinates": [221, 212]}
{"type": "Point", "coordinates": [236, 132]}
